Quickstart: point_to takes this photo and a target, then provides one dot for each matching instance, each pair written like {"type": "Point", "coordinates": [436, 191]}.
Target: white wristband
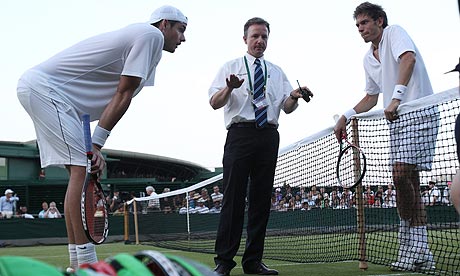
{"type": "Point", "coordinates": [399, 91]}
{"type": "Point", "coordinates": [349, 113]}
{"type": "Point", "coordinates": [100, 135]}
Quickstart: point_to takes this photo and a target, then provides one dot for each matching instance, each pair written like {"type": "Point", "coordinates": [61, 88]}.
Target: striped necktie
{"type": "Point", "coordinates": [260, 113]}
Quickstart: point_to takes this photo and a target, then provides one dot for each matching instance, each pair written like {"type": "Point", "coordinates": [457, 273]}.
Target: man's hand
{"type": "Point", "coordinates": [234, 82]}
{"type": "Point", "coordinates": [391, 110]}
{"type": "Point", "coordinates": [298, 94]}
{"type": "Point", "coordinates": [340, 130]}
{"type": "Point", "coordinates": [98, 161]}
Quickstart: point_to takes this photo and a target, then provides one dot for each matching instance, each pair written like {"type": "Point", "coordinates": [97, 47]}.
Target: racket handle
{"type": "Point", "coordinates": [87, 133]}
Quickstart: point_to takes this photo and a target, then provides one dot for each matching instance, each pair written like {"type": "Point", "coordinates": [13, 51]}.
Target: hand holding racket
{"type": "Point", "coordinates": [351, 165]}
{"type": "Point", "coordinates": [94, 213]}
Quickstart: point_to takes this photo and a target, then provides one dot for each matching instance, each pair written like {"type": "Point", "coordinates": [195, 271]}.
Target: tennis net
{"type": "Point", "coordinates": [315, 220]}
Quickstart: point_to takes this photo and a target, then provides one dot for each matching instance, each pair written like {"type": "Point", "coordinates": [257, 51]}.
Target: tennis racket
{"type": "Point", "coordinates": [351, 165]}
{"type": "Point", "coordinates": [94, 213]}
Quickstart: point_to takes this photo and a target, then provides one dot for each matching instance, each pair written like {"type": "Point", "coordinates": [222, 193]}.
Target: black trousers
{"type": "Point", "coordinates": [249, 164]}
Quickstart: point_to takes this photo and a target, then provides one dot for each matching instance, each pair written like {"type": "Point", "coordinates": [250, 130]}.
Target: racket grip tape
{"type": "Point", "coordinates": [87, 133]}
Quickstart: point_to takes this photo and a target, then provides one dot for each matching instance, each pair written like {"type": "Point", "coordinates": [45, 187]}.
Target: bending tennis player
{"type": "Point", "coordinates": [97, 76]}
{"type": "Point", "coordinates": [394, 66]}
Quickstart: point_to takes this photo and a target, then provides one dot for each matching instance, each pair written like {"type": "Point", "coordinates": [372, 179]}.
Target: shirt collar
{"type": "Point", "coordinates": [252, 59]}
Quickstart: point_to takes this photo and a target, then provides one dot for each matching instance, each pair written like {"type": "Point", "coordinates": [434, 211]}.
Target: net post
{"type": "Point", "coordinates": [126, 223]}
{"type": "Point", "coordinates": [360, 204]}
{"type": "Point", "coordinates": [136, 225]}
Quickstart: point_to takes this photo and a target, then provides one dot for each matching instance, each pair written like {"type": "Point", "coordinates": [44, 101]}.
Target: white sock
{"type": "Point", "coordinates": [73, 256]}
{"type": "Point", "coordinates": [404, 241]}
{"type": "Point", "coordinates": [419, 235]}
{"type": "Point", "coordinates": [404, 232]}
{"type": "Point", "coordinates": [86, 254]}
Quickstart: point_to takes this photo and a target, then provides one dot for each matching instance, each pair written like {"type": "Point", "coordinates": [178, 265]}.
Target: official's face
{"type": "Point", "coordinates": [256, 39]}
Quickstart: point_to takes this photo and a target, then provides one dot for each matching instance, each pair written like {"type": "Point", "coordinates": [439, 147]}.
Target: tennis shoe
{"type": "Point", "coordinates": [425, 261]}
{"type": "Point", "coordinates": [403, 264]}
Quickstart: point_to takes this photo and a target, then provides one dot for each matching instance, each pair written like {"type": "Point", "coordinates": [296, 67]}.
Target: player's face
{"type": "Point", "coordinates": [370, 30]}
{"type": "Point", "coordinates": [256, 39]}
{"type": "Point", "coordinates": [174, 36]}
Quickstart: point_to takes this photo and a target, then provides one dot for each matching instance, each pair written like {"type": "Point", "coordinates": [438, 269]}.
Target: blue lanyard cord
{"type": "Point", "coordinates": [249, 74]}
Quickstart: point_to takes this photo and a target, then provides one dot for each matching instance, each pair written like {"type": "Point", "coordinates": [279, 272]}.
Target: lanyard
{"type": "Point", "coordinates": [249, 75]}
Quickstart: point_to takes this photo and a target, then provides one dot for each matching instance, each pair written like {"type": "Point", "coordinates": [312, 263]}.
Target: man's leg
{"type": "Point", "coordinates": [85, 251]}
{"type": "Point", "coordinates": [236, 164]}
{"type": "Point", "coordinates": [405, 201]}
{"type": "Point", "coordinates": [413, 252]}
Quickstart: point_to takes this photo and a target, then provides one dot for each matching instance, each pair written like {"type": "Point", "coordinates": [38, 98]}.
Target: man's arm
{"type": "Point", "coordinates": [220, 99]}
{"type": "Point", "coordinates": [366, 104]}
{"type": "Point", "coordinates": [113, 113]}
{"type": "Point", "coordinates": [406, 68]}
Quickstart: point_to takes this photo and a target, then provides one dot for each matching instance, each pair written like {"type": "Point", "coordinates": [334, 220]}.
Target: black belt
{"type": "Point", "coordinates": [251, 125]}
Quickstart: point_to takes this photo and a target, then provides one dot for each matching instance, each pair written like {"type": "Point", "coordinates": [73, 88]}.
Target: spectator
{"type": "Point", "coordinates": [216, 195]}
{"type": "Point", "coordinates": [319, 200]}
{"type": "Point", "coordinates": [8, 204]}
{"type": "Point", "coordinates": [166, 203]}
{"type": "Point", "coordinates": [388, 203]}
{"type": "Point", "coordinates": [304, 205]}
{"type": "Point", "coordinates": [298, 202]}
{"type": "Point", "coordinates": [335, 199]}
{"type": "Point", "coordinates": [425, 194]}
{"type": "Point", "coordinates": [435, 194]}
{"type": "Point", "coordinates": [283, 205]}
{"type": "Point", "coordinates": [41, 214]}
{"type": "Point", "coordinates": [326, 203]}
{"type": "Point", "coordinates": [378, 198]}
{"type": "Point", "coordinates": [446, 194]}
{"type": "Point", "coordinates": [22, 213]}
{"type": "Point", "coordinates": [347, 194]}
{"type": "Point", "coordinates": [278, 194]}
{"type": "Point", "coordinates": [116, 202]}
{"type": "Point", "coordinates": [201, 208]}
{"type": "Point", "coordinates": [193, 199]}
{"type": "Point", "coordinates": [390, 196]}
{"type": "Point", "coordinates": [314, 193]}
{"type": "Point", "coordinates": [311, 202]}
{"type": "Point", "coordinates": [177, 202]}
{"type": "Point", "coordinates": [323, 192]}
{"type": "Point", "coordinates": [52, 211]}
{"type": "Point", "coordinates": [154, 203]}
{"type": "Point", "coordinates": [205, 196]}
{"type": "Point", "coordinates": [302, 193]}
{"type": "Point", "coordinates": [368, 196]}
{"type": "Point", "coordinates": [216, 207]}
{"type": "Point", "coordinates": [288, 194]}
{"type": "Point", "coordinates": [343, 204]}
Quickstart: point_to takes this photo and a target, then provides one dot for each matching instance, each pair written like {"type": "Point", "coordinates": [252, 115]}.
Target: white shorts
{"type": "Point", "coordinates": [7, 214]}
{"type": "Point", "coordinates": [413, 138]}
{"type": "Point", "coordinates": [57, 126]}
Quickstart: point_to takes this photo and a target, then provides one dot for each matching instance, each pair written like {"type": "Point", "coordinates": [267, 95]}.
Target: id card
{"type": "Point", "coordinates": [260, 102]}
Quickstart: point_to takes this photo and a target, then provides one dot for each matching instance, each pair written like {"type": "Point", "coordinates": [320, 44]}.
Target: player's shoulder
{"type": "Point", "coordinates": [141, 29]}
{"type": "Point", "coordinates": [395, 30]}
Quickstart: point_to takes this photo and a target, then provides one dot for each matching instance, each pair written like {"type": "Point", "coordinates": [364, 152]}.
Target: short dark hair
{"type": "Point", "coordinates": [373, 10]}
{"type": "Point", "coordinates": [255, 21]}
{"type": "Point", "coordinates": [157, 24]}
